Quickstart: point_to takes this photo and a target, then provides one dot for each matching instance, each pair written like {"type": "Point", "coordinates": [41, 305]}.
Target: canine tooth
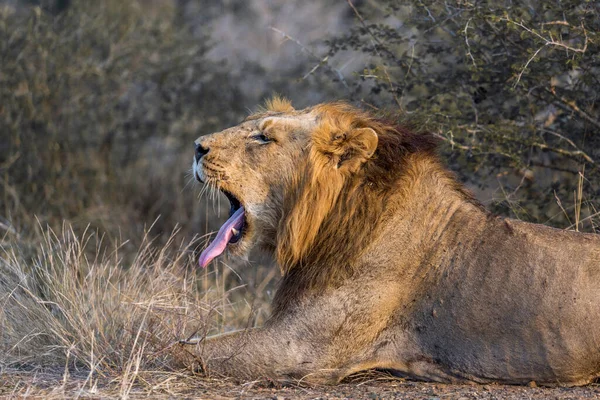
{"type": "Point", "coordinates": [235, 231]}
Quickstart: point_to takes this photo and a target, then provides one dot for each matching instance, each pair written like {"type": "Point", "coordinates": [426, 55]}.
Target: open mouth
{"type": "Point", "coordinates": [230, 233]}
{"type": "Point", "coordinates": [235, 205]}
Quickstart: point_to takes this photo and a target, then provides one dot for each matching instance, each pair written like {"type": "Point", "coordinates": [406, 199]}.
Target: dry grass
{"type": "Point", "coordinates": [75, 313]}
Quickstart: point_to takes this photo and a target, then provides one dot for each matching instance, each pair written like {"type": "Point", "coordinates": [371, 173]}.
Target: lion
{"type": "Point", "coordinates": [388, 262]}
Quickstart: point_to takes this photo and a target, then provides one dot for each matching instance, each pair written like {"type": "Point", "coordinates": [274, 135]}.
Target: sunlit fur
{"type": "Point", "coordinates": [279, 104]}
{"type": "Point", "coordinates": [331, 212]}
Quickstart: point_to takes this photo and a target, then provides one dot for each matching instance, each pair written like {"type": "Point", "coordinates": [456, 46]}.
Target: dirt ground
{"type": "Point", "coordinates": [18, 384]}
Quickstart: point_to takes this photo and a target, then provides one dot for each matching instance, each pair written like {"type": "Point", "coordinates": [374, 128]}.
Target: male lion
{"type": "Point", "coordinates": [389, 263]}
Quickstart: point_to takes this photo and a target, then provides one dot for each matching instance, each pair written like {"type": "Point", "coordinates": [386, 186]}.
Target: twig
{"type": "Point", "coordinates": [527, 64]}
{"type": "Point", "coordinates": [547, 42]}
{"type": "Point", "coordinates": [428, 11]}
{"type": "Point", "coordinates": [567, 153]}
{"type": "Point", "coordinates": [577, 152]}
{"type": "Point", "coordinates": [453, 143]}
{"type": "Point", "coordinates": [322, 61]}
{"type": "Point", "coordinates": [412, 58]}
{"type": "Point", "coordinates": [382, 46]}
{"type": "Point", "coordinates": [554, 167]}
{"type": "Point", "coordinates": [566, 139]}
{"type": "Point", "coordinates": [562, 208]}
{"type": "Point", "coordinates": [551, 41]}
{"type": "Point", "coordinates": [571, 105]}
{"type": "Point", "coordinates": [467, 42]}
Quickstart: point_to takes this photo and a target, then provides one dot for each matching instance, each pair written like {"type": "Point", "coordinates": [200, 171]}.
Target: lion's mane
{"type": "Point", "coordinates": [330, 214]}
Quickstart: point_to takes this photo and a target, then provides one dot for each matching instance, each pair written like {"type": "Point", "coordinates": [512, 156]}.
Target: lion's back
{"type": "Point", "coordinates": [526, 301]}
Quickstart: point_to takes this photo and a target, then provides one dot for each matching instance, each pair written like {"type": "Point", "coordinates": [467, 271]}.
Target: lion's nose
{"type": "Point", "coordinates": [200, 151]}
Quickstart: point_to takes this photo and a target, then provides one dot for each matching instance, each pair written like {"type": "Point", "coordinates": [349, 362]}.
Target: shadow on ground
{"type": "Point", "coordinates": [373, 385]}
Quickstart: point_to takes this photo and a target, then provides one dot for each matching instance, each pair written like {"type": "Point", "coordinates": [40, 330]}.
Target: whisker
{"type": "Point", "coordinates": [218, 206]}
{"type": "Point", "coordinates": [215, 198]}
{"type": "Point", "coordinates": [202, 191]}
{"type": "Point", "coordinates": [190, 180]}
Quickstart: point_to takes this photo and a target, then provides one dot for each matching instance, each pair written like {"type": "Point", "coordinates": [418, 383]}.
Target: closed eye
{"type": "Point", "coordinates": [262, 138]}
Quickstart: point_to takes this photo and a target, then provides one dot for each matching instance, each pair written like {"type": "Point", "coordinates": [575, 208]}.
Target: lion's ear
{"type": "Point", "coordinates": [350, 150]}
{"type": "Point", "coordinates": [316, 189]}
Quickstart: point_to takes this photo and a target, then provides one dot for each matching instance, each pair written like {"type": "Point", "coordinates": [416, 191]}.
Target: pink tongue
{"type": "Point", "coordinates": [223, 237]}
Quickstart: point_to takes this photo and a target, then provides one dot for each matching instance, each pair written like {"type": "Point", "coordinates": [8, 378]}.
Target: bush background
{"type": "Point", "coordinates": [100, 102]}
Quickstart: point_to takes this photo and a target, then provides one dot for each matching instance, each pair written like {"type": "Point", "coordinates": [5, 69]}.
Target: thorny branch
{"type": "Point", "coordinates": [551, 41]}
{"type": "Point", "coordinates": [574, 154]}
{"type": "Point", "coordinates": [548, 42]}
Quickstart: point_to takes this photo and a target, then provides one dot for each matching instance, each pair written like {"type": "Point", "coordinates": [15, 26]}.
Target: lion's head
{"type": "Point", "coordinates": [303, 184]}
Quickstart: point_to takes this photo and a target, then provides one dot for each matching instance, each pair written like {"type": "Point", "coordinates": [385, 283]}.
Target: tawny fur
{"type": "Point", "coordinates": [388, 262]}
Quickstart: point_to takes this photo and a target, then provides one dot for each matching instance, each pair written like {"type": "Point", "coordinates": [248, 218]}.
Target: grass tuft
{"type": "Point", "coordinates": [78, 307]}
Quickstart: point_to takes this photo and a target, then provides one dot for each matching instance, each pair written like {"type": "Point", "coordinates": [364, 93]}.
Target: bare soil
{"type": "Point", "coordinates": [18, 384]}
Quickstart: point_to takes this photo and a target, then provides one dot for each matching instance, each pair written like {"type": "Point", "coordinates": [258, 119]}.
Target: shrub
{"type": "Point", "coordinates": [99, 105]}
{"type": "Point", "coordinates": [102, 319]}
{"type": "Point", "coordinates": [511, 87]}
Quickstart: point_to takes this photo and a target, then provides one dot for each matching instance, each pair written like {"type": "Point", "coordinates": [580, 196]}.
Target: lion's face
{"type": "Point", "coordinates": [283, 172]}
{"type": "Point", "coordinates": [251, 163]}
